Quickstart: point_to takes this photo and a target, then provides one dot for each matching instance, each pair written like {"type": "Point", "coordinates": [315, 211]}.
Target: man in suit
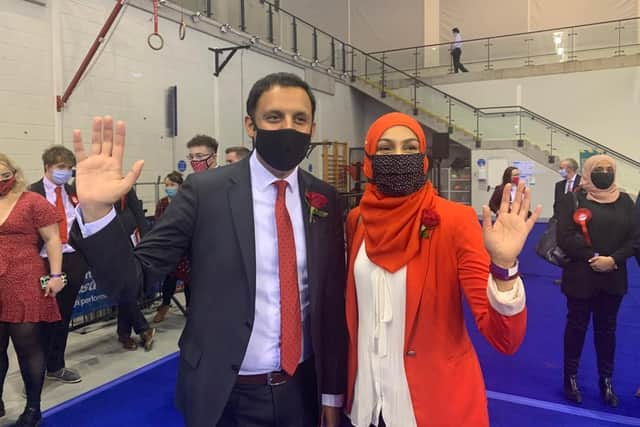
{"type": "Point", "coordinates": [265, 340]}
{"type": "Point", "coordinates": [569, 183]}
{"type": "Point", "coordinates": [58, 163]}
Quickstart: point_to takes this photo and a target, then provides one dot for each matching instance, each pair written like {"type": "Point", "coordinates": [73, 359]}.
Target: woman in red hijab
{"type": "Point", "coordinates": [412, 255]}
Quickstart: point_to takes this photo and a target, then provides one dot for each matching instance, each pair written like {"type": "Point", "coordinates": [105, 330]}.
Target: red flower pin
{"type": "Point", "coordinates": [430, 219]}
{"type": "Point", "coordinates": [317, 202]}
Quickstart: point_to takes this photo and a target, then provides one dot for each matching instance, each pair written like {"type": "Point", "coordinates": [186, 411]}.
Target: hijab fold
{"type": "Point", "coordinates": [607, 195]}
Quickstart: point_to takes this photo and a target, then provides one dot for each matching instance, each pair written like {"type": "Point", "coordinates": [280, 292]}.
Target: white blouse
{"type": "Point", "coordinates": [381, 383]}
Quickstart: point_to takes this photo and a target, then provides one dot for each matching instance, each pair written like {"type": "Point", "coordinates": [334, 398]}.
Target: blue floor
{"type": "Point", "coordinates": [524, 390]}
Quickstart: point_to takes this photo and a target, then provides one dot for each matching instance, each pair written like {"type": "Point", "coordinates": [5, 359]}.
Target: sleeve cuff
{"type": "Point", "coordinates": [92, 228]}
{"type": "Point", "coordinates": [508, 303]}
{"type": "Point", "coordinates": [333, 400]}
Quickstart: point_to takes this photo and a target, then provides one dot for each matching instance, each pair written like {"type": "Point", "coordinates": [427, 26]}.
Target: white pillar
{"type": "Point", "coordinates": [57, 80]}
{"type": "Point", "coordinates": [431, 31]}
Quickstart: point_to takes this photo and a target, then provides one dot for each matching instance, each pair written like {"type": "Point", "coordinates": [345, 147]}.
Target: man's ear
{"type": "Point", "coordinates": [250, 127]}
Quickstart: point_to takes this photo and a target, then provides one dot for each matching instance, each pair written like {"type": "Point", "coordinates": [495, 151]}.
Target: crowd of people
{"type": "Point", "coordinates": [284, 327]}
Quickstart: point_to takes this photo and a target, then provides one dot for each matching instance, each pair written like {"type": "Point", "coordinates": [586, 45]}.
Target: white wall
{"type": "Point", "coordinates": [542, 187]}
{"type": "Point", "coordinates": [43, 46]}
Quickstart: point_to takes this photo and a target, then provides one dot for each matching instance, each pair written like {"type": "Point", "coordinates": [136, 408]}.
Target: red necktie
{"type": "Point", "coordinates": [290, 322]}
{"type": "Point", "coordinates": [62, 215]}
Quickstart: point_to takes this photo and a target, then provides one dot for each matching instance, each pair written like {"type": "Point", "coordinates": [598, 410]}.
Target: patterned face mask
{"type": "Point", "coordinates": [398, 175]}
{"type": "Point", "coordinates": [7, 185]}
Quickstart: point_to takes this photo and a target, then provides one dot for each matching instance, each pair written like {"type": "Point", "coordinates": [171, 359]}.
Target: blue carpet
{"type": "Point", "coordinates": [525, 390]}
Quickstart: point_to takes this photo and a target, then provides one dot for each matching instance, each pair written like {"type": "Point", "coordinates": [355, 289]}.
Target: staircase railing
{"type": "Point", "coordinates": [267, 25]}
{"type": "Point", "coordinates": [606, 39]}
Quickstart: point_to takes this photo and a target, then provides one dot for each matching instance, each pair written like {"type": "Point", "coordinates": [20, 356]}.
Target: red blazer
{"type": "Point", "coordinates": [444, 376]}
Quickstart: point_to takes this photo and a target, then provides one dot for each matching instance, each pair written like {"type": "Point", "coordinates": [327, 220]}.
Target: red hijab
{"type": "Point", "coordinates": [392, 224]}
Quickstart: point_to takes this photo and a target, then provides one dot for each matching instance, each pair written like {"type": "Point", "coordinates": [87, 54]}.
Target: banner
{"type": "Point", "coordinates": [90, 299]}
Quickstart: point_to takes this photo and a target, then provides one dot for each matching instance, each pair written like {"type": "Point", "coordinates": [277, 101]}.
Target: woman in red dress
{"type": "Point", "coordinates": [25, 218]}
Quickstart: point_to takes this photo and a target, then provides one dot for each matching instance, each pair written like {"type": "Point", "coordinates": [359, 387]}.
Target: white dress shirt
{"type": "Point", "coordinates": [69, 208]}
{"type": "Point", "coordinates": [381, 382]}
{"type": "Point", "coordinates": [568, 187]}
{"type": "Point", "coordinates": [457, 41]}
{"type": "Point", "coordinates": [263, 351]}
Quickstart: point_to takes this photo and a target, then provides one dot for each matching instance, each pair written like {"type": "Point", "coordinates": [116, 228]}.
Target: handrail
{"type": "Point", "coordinates": [480, 111]}
{"type": "Point", "coordinates": [561, 128]}
{"type": "Point", "coordinates": [504, 35]}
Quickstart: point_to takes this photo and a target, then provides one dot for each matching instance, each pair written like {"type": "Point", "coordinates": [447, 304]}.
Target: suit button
{"type": "Point", "coordinates": [235, 368]}
{"type": "Point", "coordinates": [248, 324]}
{"type": "Point", "coordinates": [411, 353]}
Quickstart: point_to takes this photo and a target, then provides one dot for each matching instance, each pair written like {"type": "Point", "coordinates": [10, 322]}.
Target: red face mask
{"type": "Point", "coordinates": [200, 165]}
{"type": "Point", "coordinates": [515, 180]}
{"type": "Point", "coordinates": [7, 185]}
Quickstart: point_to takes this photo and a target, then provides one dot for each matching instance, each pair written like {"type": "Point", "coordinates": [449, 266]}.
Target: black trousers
{"type": "Point", "coordinates": [604, 308]}
{"type": "Point", "coordinates": [169, 289]}
{"type": "Point", "coordinates": [130, 317]}
{"type": "Point", "coordinates": [293, 404]}
{"type": "Point", "coordinates": [56, 333]}
{"type": "Point", "coordinates": [457, 65]}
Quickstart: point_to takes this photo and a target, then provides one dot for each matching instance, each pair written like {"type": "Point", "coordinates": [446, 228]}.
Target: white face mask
{"type": "Point", "coordinates": [563, 173]}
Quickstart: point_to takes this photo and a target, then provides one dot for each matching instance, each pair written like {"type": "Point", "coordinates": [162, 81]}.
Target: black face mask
{"type": "Point", "coordinates": [398, 174]}
{"type": "Point", "coordinates": [282, 149]}
{"type": "Point", "coordinates": [602, 180]}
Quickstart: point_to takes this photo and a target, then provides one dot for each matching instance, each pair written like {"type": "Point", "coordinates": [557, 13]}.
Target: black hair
{"type": "Point", "coordinates": [277, 79]}
{"type": "Point", "coordinates": [506, 176]}
{"type": "Point", "coordinates": [455, 30]}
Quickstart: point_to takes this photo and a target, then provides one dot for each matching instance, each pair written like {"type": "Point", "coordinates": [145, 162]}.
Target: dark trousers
{"type": "Point", "coordinates": [130, 317]}
{"type": "Point", "coordinates": [604, 308]}
{"type": "Point", "coordinates": [293, 404]}
{"type": "Point", "coordinates": [457, 65]}
{"type": "Point", "coordinates": [56, 333]}
{"type": "Point", "coordinates": [169, 289]}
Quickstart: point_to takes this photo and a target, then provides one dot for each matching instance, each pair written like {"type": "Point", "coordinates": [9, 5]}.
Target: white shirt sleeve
{"type": "Point", "coordinates": [91, 228]}
{"type": "Point", "coordinates": [507, 303]}
{"type": "Point", "coordinates": [333, 400]}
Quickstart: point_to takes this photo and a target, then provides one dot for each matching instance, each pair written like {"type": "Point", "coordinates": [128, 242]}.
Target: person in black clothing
{"type": "Point", "coordinates": [130, 316]}
{"type": "Point", "coordinates": [172, 183]}
{"type": "Point", "coordinates": [511, 175]}
{"type": "Point", "coordinates": [595, 280]}
{"type": "Point", "coordinates": [569, 183]}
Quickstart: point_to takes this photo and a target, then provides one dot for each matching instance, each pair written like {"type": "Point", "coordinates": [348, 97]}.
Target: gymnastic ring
{"type": "Point", "coordinates": [149, 42]}
{"type": "Point", "coordinates": [182, 31]}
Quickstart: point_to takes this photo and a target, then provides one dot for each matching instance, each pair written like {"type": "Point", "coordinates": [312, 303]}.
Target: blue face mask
{"type": "Point", "coordinates": [563, 173]}
{"type": "Point", "coordinates": [61, 176]}
{"type": "Point", "coordinates": [171, 192]}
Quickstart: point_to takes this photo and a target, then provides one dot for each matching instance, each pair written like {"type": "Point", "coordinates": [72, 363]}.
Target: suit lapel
{"type": "Point", "coordinates": [241, 205]}
{"type": "Point", "coordinates": [305, 185]}
{"type": "Point", "coordinates": [38, 187]}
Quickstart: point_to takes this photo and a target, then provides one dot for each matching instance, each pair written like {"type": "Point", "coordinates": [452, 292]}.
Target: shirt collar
{"type": "Point", "coordinates": [48, 185]}
{"type": "Point", "coordinates": [262, 178]}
